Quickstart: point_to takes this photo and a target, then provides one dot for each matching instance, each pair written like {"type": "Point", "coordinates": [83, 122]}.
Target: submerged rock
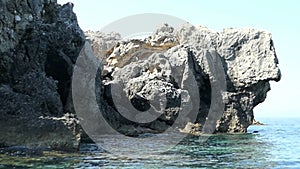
{"type": "Point", "coordinates": [191, 128]}
{"type": "Point", "coordinates": [40, 41]}
{"type": "Point", "coordinates": [221, 76]}
{"type": "Point", "coordinates": [257, 123]}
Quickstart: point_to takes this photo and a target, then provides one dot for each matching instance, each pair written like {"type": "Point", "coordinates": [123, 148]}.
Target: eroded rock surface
{"type": "Point", "coordinates": [40, 41]}
{"type": "Point", "coordinates": [191, 77]}
{"type": "Point", "coordinates": [221, 76]}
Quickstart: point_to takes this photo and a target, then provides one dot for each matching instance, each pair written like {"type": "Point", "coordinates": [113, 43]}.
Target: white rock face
{"type": "Point", "coordinates": [220, 75]}
{"type": "Point", "coordinates": [102, 42]}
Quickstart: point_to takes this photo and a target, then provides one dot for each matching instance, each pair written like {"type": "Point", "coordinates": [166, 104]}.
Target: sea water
{"type": "Point", "coordinates": [273, 145]}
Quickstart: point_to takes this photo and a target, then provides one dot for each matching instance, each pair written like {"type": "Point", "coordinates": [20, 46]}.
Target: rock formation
{"type": "Point", "coordinates": [208, 81]}
{"type": "Point", "coordinates": [162, 75]}
{"type": "Point", "coordinates": [40, 41]}
{"type": "Point", "coordinates": [257, 123]}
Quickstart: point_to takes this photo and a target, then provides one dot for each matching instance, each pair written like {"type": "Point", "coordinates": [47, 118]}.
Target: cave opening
{"type": "Point", "coordinates": [59, 69]}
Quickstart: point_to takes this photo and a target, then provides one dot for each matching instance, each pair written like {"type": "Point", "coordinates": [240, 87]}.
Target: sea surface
{"type": "Point", "coordinates": [274, 145]}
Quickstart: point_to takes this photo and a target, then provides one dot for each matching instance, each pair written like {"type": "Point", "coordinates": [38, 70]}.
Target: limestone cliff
{"type": "Point", "coordinates": [210, 81]}
{"type": "Point", "coordinates": [231, 70]}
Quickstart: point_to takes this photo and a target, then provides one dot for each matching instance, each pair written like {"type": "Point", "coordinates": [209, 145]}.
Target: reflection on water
{"type": "Point", "coordinates": [274, 146]}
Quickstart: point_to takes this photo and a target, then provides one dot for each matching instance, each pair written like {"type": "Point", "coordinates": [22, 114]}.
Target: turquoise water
{"type": "Point", "coordinates": [275, 145]}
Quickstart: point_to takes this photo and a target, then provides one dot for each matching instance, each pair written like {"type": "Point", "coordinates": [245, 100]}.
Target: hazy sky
{"type": "Point", "coordinates": [281, 18]}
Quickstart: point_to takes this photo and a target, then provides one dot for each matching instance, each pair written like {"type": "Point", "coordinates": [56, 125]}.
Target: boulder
{"type": "Point", "coordinates": [192, 128]}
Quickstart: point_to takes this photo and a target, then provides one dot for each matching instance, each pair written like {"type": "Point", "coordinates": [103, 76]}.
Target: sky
{"type": "Point", "coordinates": [281, 18]}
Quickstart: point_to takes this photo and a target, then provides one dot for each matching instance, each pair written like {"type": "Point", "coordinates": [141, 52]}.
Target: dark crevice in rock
{"type": "Point", "coordinates": [204, 87]}
{"type": "Point", "coordinates": [59, 68]}
{"type": "Point", "coordinates": [140, 103]}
